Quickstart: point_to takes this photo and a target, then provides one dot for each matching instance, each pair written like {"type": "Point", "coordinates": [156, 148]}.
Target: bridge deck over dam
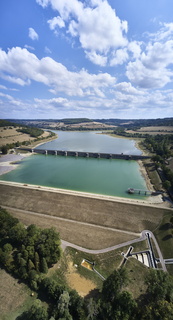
{"type": "Point", "coordinates": [85, 154]}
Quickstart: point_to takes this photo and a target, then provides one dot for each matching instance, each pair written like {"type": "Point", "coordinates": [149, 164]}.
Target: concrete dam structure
{"type": "Point", "coordinates": [85, 154]}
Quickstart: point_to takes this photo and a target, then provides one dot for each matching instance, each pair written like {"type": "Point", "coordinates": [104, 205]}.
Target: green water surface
{"type": "Point", "coordinates": [100, 176]}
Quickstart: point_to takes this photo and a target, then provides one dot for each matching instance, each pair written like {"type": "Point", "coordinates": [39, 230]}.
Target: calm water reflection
{"type": "Point", "coordinates": [91, 142]}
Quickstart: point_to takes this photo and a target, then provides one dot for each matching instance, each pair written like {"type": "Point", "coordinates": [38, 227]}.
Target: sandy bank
{"type": "Point", "coordinates": [9, 162]}
{"type": "Point", "coordinates": [144, 173]}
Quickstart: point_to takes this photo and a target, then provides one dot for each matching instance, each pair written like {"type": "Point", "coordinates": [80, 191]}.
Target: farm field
{"type": "Point", "coordinates": [153, 130]}
{"type": "Point", "coordinates": [15, 297]}
{"type": "Point", "coordinates": [10, 135]}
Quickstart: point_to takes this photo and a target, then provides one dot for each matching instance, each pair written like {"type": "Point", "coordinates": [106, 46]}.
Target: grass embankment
{"type": "Point", "coordinates": [164, 236]}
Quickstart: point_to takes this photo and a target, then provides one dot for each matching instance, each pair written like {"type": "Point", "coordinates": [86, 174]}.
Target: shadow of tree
{"type": "Point", "coordinates": [92, 294]}
{"type": "Point", "coordinates": [166, 226]}
{"type": "Point", "coordinates": [169, 236]}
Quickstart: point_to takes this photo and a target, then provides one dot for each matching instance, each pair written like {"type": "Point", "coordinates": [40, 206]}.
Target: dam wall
{"type": "Point", "coordinates": [88, 208]}
{"type": "Point", "coordinates": [85, 154]}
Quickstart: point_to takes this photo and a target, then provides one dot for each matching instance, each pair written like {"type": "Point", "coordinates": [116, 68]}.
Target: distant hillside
{"type": "Point", "coordinates": [137, 122]}
{"type": "Point", "coordinates": [93, 124]}
{"type": "Point", "coordinates": [75, 120]}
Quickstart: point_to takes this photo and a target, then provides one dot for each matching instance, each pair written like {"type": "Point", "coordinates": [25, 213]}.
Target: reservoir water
{"type": "Point", "coordinates": [91, 142]}
{"type": "Point", "coordinates": [100, 176]}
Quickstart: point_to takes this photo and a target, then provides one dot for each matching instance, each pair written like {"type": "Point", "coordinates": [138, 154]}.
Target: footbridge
{"type": "Point", "coordinates": [85, 154]}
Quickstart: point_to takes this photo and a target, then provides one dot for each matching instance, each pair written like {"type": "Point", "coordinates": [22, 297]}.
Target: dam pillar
{"type": "Point", "coordinates": [110, 156]}
{"type": "Point", "coordinates": [32, 150]}
{"type": "Point", "coordinates": [87, 155]}
{"type": "Point", "coordinates": [56, 153]}
{"type": "Point", "coordinates": [65, 153]}
{"type": "Point", "coordinates": [76, 154]}
{"type": "Point", "coordinates": [98, 155]}
{"type": "Point", "coordinates": [46, 152]}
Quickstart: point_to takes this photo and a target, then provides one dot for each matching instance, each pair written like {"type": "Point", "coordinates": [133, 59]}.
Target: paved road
{"type": "Point", "coordinates": [141, 238]}
{"type": "Point", "coordinates": [157, 248]}
{"type": "Point", "coordinates": [68, 244]}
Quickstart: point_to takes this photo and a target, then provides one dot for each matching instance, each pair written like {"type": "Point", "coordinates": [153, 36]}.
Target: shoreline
{"type": "Point", "coordinates": [149, 200]}
{"type": "Point", "coordinates": [9, 162]}
{"type": "Point", "coordinates": [45, 141]}
{"type": "Point", "coordinates": [7, 165]}
{"type": "Point", "coordinates": [144, 174]}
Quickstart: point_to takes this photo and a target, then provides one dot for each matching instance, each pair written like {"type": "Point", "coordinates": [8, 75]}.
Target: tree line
{"type": "Point", "coordinates": [33, 132]}
{"type": "Point", "coordinates": [162, 146]}
{"type": "Point", "coordinates": [28, 252]}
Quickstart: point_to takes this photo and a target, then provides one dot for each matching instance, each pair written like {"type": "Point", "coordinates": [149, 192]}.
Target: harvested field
{"type": "Point", "coordinates": [158, 128]}
{"type": "Point", "coordinates": [12, 295]}
{"type": "Point", "coordinates": [153, 130]}
{"type": "Point", "coordinates": [8, 135]}
{"type": "Point", "coordinates": [82, 285]}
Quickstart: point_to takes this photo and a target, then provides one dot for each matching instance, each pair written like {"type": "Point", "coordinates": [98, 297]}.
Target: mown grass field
{"type": "Point", "coordinates": [15, 297]}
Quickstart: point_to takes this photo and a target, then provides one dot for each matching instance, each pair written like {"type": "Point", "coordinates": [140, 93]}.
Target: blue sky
{"type": "Point", "coordinates": [92, 58]}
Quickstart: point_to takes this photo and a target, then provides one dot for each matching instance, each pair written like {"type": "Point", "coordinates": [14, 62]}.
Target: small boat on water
{"type": "Point", "coordinates": [131, 190]}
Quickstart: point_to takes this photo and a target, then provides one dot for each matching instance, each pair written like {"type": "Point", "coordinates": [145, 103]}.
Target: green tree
{"type": "Point", "coordinates": [6, 223]}
{"type": "Point", "coordinates": [33, 233]}
{"type": "Point", "coordinates": [160, 310]}
{"type": "Point", "coordinates": [76, 306]}
{"type": "Point", "coordinates": [160, 286]}
{"type": "Point", "coordinates": [31, 252]}
{"type": "Point", "coordinates": [4, 149]}
{"type": "Point", "coordinates": [92, 308]}
{"type": "Point", "coordinates": [37, 261]}
{"type": "Point", "coordinates": [166, 184]}
{"type": "Point", "coordinates": [30, 265]}
{"type": "Point", "coordinates": [37, 312]}
{"type": "Point", "coordinates": [7, 248]}
{"type": "Point", "coordinates": [49, 245]}
{"type": "Point", "coordinates": [6, 258]}
{"type": "Point", "coordinates": [115, 303]}
{"type": "Point", "coordinates": [18, 233]}
{"type": "Point", "coordinates": [62, 311]}
{"type": "Point", "coordinates": [114, 284]}
{"type": "Point", "coordinates": [43, 266]}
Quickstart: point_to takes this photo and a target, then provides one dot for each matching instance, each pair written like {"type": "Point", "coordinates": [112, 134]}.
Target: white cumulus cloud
{"type": "Point", "coordinates": [51, 73]}
{"type": "Point", "coordinates": [151, 68]}
{"type": "Point", "coordinates": [120, 56]}
{"type": "Point", "coordinates": [56, 22]}
{"type": "Point", "coordinates": [33, 34]}
{"type": "Point", "coordinates": [94, 23]}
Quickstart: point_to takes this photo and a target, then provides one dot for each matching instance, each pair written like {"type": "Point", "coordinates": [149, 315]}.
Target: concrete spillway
{"type": "Point", "coordinates": [86, 154]}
